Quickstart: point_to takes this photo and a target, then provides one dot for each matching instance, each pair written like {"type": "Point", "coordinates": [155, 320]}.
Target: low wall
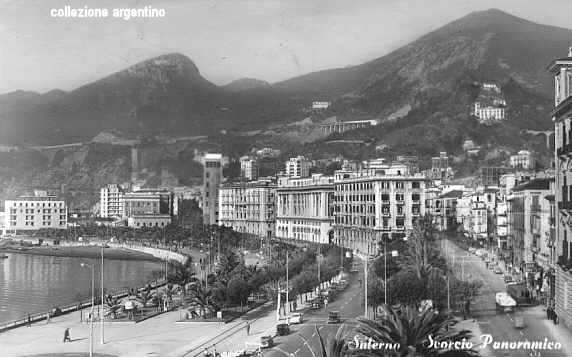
{"type": "Point", "coordinates": [156, 252]}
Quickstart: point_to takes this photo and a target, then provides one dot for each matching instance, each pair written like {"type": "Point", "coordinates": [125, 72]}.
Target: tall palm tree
{"type": "Point", "coordinates": [203, 297]}
{"type": "Point", "coordinates": [182, 275]}
{"type": "Point", "coordinates": [411, 329]}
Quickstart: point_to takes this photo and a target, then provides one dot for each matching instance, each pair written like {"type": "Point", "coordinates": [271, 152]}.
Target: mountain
{"type": "Point", "coordinates": [246, 84]}
{"type": "Point", "coordinates": [492, 44]}
{"type": "Point", "coordinates": [163, 95]}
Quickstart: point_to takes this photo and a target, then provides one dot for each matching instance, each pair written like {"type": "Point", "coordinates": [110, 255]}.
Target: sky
{"type": "Point", "coordinates": [270, 40]}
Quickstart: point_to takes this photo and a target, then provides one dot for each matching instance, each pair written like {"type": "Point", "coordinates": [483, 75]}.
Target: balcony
{"type": "Point", "coordinates": [564, 151]}
{"type": "Point", "coordinates": [567, 205]}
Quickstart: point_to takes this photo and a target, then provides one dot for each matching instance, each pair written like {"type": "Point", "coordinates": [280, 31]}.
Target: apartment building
{"type": "Point", "coordinates": [248, 168]}
{"type": "Point", "coordinates": [443, 209]}
{"type": "Point", "coordinates": [529, 224]}
{"type": "Point", "coordinates": [375, 205]}
{"type": "Point", "coordinates": [248, 207]}
{"type": "Point", "coordinates": [561, 69]}
{"type": "Point", "coordinates": [34, 212]}
{"type": "Point", "coordinates": [111, 201]}
{"type": "Point", "coordinates": [298, 167]}
{"type": "Point", "coordinates": [212, 178]}
{"type": "Point", "coordinates": [148, 208]}
{"type": "Point", "coordinates": [305, 208]}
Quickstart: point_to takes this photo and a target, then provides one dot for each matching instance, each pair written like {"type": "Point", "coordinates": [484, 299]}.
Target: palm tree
{"type": "Point", "coordinates": [411, 329]}
{"type": "Point", "coordinates": [182, 275]}
{"type": "Point", "coordinates": [203, 297]}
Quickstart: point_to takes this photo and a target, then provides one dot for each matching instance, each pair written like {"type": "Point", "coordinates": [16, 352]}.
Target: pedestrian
{"type": "Point", "coordinates": [67, 337]}
{"type": "Point", "coordinates": [48, 318]}
{"type": "Point", "coordinates": [248, 329]}
{"type": "Point", "coordinates": [554, 317]}
{"type": "Point", "coordinates": [295, 305]}
{"type": "Point", "coordinates": [326, 304]}
{"type": "Point", "coordinates": [29, 321]}
{"type": "Point", "coordinates": [359, 283]}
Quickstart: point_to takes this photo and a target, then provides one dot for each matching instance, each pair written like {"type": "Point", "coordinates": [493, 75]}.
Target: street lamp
{"type": "Point", "coordinates": [92, 303]}
{"type": "Point", "coordinates": [102, 319]}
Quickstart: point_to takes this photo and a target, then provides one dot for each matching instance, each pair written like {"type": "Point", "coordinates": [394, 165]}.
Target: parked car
{"type": "Point", "coordinates": [508, 279]}
{"type": "Point", "coordinates": [296, 318]}
{"type": "Point", "coordinates": [282, 329]}
{"type": "Point", "coordinates": [498, 270]}
{"type": "Point", "coordinates": [334, 317]}
{"type": "Point", "coordinates": [472, 250]}
{"type": "Point", "coordinates": [266, 342]}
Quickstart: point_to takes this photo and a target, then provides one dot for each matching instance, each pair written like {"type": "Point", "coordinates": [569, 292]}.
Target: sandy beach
{"type": "Point", "coordinates": [75, 251]}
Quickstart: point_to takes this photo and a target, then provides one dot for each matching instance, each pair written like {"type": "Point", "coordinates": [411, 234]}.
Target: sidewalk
{"type": "Point", "coordinates": [558, 333]}
{"type": "Point", "coordinates": [157, 336]}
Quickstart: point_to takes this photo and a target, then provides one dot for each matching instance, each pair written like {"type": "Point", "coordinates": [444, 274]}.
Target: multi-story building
{"type": "Point", "coordinates": [490, 104]}
{"type": "Point", "coordinates": [148, 208]}
{"type": "Point", "coordinates": [305, 208]}
{"type": "Point", "coordinates": [490, 176]}
{"type": "Point", "coordinates": [248, 168]}
{"type": "Point", "coordinates": [35, 212]}
{"type": "Point", "coordinates": [523, 160]}
{"type": "Point", "coordinates": [212, 178]}
{"type": "Point", "coordinates": [248, 207]}
{"type": "Point", "coordinates": [528, 224]}
{"type": "Point", "coordinates": [562, 117]}
{"type": "Point", "coordinates": [372, 206]}
{"type": "Point", "coordinates": [343, 126]}
{"type": "Point", "coordinates": [502, 228]}
{"type": "Point", "coordinates": [111, 201]}
{"type": "Point", "coordinates": [443, 209]}
{"type": "Point", "coordinates": [298, 167]}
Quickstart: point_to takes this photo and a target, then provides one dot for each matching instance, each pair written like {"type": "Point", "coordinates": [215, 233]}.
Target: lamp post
{"type": "Point", "coordinates": [102, 319]}
{"type": "Point", "coordinates": [92, 303]}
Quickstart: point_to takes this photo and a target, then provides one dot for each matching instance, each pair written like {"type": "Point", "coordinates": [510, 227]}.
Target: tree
{"type": "Point", "coordinates": [238, 291]}
{"type": "Point", "coordinates": [411, 329]}
{"type": "Point", "coordinates": [182, 275]}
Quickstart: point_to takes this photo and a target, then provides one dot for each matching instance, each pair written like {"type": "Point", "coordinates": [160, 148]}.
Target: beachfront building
{"type": "Point", "coordinates": [305, 208]}
{"type": "Point", "coordinates": [372, 206]}
{"type": "Point", "coordinates": [148, 208]}
{"type": "Point", "coordinates": [34, 212]}
{"type": "Point", "coordinates": [562, 118]}
{"type": "Point", "coordinates": [212, 178]}
{"type": "Point", "coordinates": [111, 201]}
{"type": "Point", "coordinates": [248, 207]}
{"type": "Point", "coordinates": [298, 167]}
{"type": "Point", "coordinates": [148, 220]}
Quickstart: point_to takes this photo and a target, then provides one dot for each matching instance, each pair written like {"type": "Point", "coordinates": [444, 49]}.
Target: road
{"type": "Point", "coordinates": [303, 339]}
{"type": "Point", "coordinates": [501, 325]}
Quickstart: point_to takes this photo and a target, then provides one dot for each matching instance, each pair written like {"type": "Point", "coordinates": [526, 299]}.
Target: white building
{"type": "Point", "coordinates": [373, 205]}
{"type": "Point", "coordinates": [148, 220]}
{"type": "Point", "coordinates": [35, 212]}
{"type": "Point", "coordinates": [248, 168]}
{"type": "Point", "coordinates": [248, 207]}
{"type": "Point", "coordinates": [490, 104]}
{"type": "Point", "coordinates": [305, 208]}
{"type": "Point", "coordinates": [111, 201]}
{"type": "Point", "coordinates": [343, 126]}
{"type": "Point", "coordinates": [320, 105]}
{"type": "Point", "coordinates": [298, 167]}
{"type": "Point", "coordinates": [212, 178]}
{"type": "Point", "coordinates": [523, 160]}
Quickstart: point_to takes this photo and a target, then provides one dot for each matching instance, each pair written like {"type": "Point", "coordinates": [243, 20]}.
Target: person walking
{"type": "Point", "coordinates": [248, 329]}
{"type": "Point", "coordinates": [29, 321]}
{"type": "Point", "coordinates": [326, 304]}
{"type": "Point", "coordinates": [67, 337]}
{"type": "Point", "coordinates": [468, 308]}
{"type": "Point", "coordinates": [47, 318]}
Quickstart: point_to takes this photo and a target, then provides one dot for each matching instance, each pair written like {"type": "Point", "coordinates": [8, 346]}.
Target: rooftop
{"type": "Point", "coordinates": [535, 184]}
{"type": "Point", "coordinates": [452, 194]}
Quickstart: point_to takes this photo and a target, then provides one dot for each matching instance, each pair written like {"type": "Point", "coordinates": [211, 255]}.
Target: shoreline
{"type": "Point", "coordinates": [89, 252]}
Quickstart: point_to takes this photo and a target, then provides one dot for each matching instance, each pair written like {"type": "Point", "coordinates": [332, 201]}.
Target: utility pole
{"type": "Point", "coordinates": [102, 317]}
{"type": "Point", "coordinates": [287, 301]}
{"type": "Point", "coordinates": [385, 270]}
{"type": "Point", "coordinates": [365, 267]}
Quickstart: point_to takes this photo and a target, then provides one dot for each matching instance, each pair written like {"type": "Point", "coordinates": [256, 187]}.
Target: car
{"type": "Point", "coordinates": [316, 305]}
{"type": "Point", "coordinates": [334, 317]}
{"type": "Point", "coordinates": [282, 329]}
{"type": "Point", "coordinates": [508, 279]}
{"type": "Point", "coordinates": [296, 318]}
{"type": "Point", "coordinates": [266, 342]}
{"type": "Point", "coordinates": [472, 250]}
{"type": "Point", "coordinates": [498, 270]}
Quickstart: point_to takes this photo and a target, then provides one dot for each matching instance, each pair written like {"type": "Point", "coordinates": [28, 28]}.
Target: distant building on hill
{"type": "Point", "coordinates": [490, 176]}
{"type": "Point", "coordinates": [298, 167]}
{"type": "Point", "coordinates": [490, 105]}
{"type": "Point", "coordinates": [320, 105]}
{"type": "Point", "coordinates": [343, 126]}
{"type": "Point", "coordinates": [523, 160]}
{"type": "Point", "coordinates": [248, 168]}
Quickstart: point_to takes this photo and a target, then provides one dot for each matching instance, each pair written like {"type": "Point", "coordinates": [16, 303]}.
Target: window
{"type": "Point", "coordinates": [399, 197]}
{"type": "Point", "coordinates": [400, 222]}
{"type": "Point", "coordinates": [385, 196]}
{"type": "Point", "coordinates": [415, 197]}
{"type": "Point", "coordinates": [399, 185]}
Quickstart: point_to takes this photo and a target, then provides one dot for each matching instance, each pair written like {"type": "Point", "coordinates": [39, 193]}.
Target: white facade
{"type": "Point", "coordinates": [371, 206]}
{"type": "Point", "coordinates": [320, 105]}
{"type": "Point", "coordinates": [248, 207]}
{"type": "Point", "coordinates": [111, 201]}
{"type": "Point", "coordinates": [523, 160]}
{"type": "Point", "coordinates": [248, 168]}
{"type": "Point", "coordinates": [35, 212]}
{"type": "Point", "coordinates": [298, 167]}
{"type": "Point", "coordinates": [305, 208]}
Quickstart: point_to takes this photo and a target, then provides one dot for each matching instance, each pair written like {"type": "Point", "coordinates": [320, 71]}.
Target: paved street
{"type": "Point", "coordinates": [501, 325]}
{"type": "Point", "coordinates": [303, 339]}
